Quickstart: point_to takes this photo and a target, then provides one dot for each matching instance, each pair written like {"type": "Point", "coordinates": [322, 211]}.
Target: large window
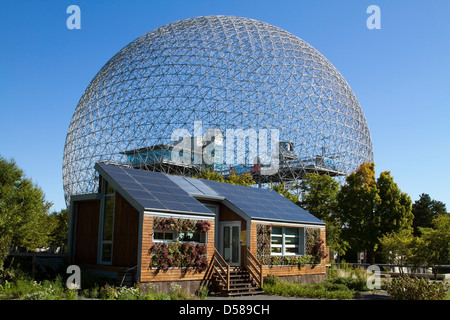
{"type": "Point", "coordinates": [287, 241]}
{"type": "Point", "coordinates": [107, 223]}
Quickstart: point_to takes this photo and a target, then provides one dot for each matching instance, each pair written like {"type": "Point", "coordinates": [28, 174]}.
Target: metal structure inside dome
{"type": "Point", "coordinates": [227, 73]}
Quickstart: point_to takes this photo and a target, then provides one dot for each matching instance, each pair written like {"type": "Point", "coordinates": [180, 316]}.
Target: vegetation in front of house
{"type": "Point", "coordinates": [405, 287]}
{"type": "Point", "coordinates": [24, 287]}
{"type": "Point", "coordinates": [342, 283]}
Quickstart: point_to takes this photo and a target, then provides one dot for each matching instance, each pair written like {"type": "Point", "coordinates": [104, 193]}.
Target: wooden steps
{"type": "Point", "coordinates": [241, 283]}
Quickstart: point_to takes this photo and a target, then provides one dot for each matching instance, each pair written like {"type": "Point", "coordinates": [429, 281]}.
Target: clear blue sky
{"type": "Point", "coordinates": [400, 73]}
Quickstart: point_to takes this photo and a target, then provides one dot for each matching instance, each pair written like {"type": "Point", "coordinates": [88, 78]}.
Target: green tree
{"type": "Point", "coordinates": [436, 242]}
{"type": "Point", "coordinates": [357, 200]}
{"type": "Point", "coordinates": [244, 179]}
{"type": "Point", "coordinates": [394, 209]}
{"type": "Point", "coordinates": [402, 248]}
{"type": "Point", "coordinates": [286, 192]}
{"type": "Point", "coordinates": [319, 197]}
{"type": "Point", "coordinates": [425, 210]}
{"type": "Point", "coordinates": [61, 221]}
{"type": "Point", "coordinates": [368, 209]}
{"type": "Point", "coordinates": [24, 221]}
{"type": "Point", "coordinates": [209, 175]}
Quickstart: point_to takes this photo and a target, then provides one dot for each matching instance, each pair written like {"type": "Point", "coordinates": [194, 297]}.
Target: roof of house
{"type": "Point", "coordinates": [154, 191]}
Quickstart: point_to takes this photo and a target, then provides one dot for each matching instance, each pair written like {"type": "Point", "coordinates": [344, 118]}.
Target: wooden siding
{"type": "Point", "coordinates": [86, 221]}
{"type": "Point", "coordinates": [287, 270]}
{"type": "Point", "coordinates": [176, 274]}
{"type": "Point", "coordinates": [125, 236]}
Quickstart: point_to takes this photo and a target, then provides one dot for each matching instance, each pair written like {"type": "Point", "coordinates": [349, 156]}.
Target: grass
{"type": "Point", "coordinates": [25, 288]}
{"type": "Point", "coordinates": [323, 290]}
{"type": "Point", "coordinates": [344, 282]}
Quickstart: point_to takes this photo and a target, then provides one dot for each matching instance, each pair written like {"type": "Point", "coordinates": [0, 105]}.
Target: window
{"type": "Point", "coordinates": [160, 236]}
{"type": "Point", "coordinates": [287, 241]}
{"type": "Point", "coordinates": [164, 235]}
{"type": "Point", "coordinates": [107, 223]}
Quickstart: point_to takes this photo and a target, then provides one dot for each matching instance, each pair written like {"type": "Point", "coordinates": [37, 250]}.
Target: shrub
{"type": "Point", "coordinates": [324, 290]}
{"type": "Point", "coordinates": [108, 292]}
{"type": "Point", "coordinates": [357, 284]}
{"type": "Point", "coordinates": [407, 288]}
{"type": "Point", "coordinates": [128, 293]}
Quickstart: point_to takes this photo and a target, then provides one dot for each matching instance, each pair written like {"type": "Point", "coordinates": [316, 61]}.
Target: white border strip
{"type": "Point", "coordinates": [180, 215]}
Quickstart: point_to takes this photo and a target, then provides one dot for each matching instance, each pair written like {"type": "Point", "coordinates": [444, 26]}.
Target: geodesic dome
{"type": "Point", "coordinates": [227, 73]}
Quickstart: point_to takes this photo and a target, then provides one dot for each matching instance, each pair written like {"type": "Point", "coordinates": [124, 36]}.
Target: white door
{"type": "Point", "coordinates": [230, 242]}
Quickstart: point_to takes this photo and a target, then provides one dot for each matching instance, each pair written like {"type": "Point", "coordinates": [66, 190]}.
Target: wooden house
{"type": "Point", "coordinates": [162, 229]}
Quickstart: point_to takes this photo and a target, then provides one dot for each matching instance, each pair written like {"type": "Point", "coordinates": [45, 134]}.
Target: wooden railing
{"type": "Point", "coordinates": [254, 267]}
{"type": "Point", "coordinates": [221, 269]}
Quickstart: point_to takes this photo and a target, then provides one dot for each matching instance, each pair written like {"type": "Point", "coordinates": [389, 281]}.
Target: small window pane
{"type": "Point", "coordinates": [291, 250]}
{"type": "Point", "coordinates": [291, 240]}
{"type": "Point", "coordinates": [163, 236]}
{"type": "Point", "coordinates": [277, 230]}
{"type": "Point", "coordinates": [276, 249]}
{"type": "Point", "coordinates": [106, 252]}
{"type": "Point", "coordinates": [108, 188]}
{"type": "Point", "coordinates": [190, 236]}
{"type": "Point", "coordinates": [291, 232]}
{"type": "Point", "coordinates": [277, 240]}
{"type": "Point", "coordinates": [108, 218]}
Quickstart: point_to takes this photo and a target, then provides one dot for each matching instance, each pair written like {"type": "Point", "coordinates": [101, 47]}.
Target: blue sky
{"type": "Point", "coordinates": [400, 73]}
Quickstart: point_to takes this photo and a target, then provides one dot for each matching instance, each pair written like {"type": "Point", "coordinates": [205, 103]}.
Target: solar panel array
{"type": "Point", "coordinates": [154, 191]}
{"type": "Point", "coordinates": [262, 203]}
{"type": "Point", "coordinates": [157, 191]}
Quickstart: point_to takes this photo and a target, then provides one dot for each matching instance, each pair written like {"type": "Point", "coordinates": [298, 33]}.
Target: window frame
{"type": "Point", "coordinates": [106, 192]}
{"type": "Point", "coordinates": [283, 245]}
{"type": "Point", "coordinates": [176, 236]}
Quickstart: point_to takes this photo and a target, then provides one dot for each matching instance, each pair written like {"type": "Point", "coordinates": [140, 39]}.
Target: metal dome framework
{"type": "Point", "coordinates": [227, 73]}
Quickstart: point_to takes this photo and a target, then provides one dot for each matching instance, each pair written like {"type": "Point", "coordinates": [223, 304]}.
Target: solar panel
{"type": "Point", "coordinates": [154, 190]}
{"type": "Point", "coordinates": [262, 203]}
{"type": "Point", "coordinates": [157, 191]}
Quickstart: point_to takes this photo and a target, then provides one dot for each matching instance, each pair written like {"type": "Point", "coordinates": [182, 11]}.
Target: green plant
{"type": "Point", "coordinates": [178, 254]}
{"type": "Point", "coordinates": [412, 288]}
{"type": "Point", "coordinates": [202, 292]}
{"type": "Point", "coordinates": [315, 245]}
{"type": "Point", "coordinates": [357, 284]}
{"type": "Point", "coordinates": [108, 292]}
{"type": "Point", "coordinates": [177, 292]}
{"type": "Point", "coordinates": [323, 290]}
{"type": "Point", "coordinates": [128, 293]}
{"type": "Point", "coordinates": [71, 294]}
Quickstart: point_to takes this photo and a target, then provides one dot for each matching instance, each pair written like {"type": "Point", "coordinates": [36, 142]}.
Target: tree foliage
{"type": "Point", "coordinates": [402, 248]}
{"type": "Point", "coordinates": [357, 200]}
{"type": "Point", "coordinates": [425, 210]}
{"type": "Point", "coordinates": [209, 175]}
{"type": "Point", "coordinates": [436, 241]}
{"type": "Point", "coordinates": [319, 197]}
{"type": "Point", "coordinates": [244, 179]}
{"type": "Point", "coordinates": [24, 219]}
{"type": "Point", "coordinates": [369, 208]}
{"type": "Point", "coordinates": [286, 192]}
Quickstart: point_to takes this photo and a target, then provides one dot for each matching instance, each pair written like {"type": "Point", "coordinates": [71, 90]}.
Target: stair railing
{"type": "Point", "coordinates": [221, 269]}
{"type": "Point", "coordinates": [254, 267]}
